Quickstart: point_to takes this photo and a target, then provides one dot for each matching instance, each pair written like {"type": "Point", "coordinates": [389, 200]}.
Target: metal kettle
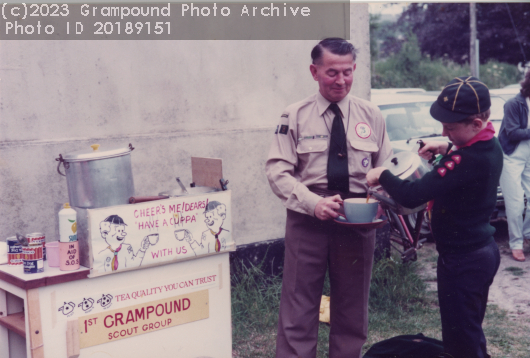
{"type": "Point", "coordinates": [406, 166]}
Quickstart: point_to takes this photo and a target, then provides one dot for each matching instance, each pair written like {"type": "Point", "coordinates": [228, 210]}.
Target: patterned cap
{"type": "Point", "coordinates": [461, 98]}
{"type": "Point", "coordinates": [211, 206]}
{"type": "Point", "coordinates": [115, 219]}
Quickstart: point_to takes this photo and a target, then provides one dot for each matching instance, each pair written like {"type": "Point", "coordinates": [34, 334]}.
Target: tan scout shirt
{"type": "Point", "coordinates": [299, 153]}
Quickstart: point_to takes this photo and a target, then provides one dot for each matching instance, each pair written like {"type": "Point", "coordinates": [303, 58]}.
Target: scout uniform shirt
{"type": "Point", "coordinates": [299, 153]}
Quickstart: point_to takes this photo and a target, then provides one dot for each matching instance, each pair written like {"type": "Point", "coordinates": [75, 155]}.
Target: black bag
{"type": "Point", "coordinates": [407, 346]}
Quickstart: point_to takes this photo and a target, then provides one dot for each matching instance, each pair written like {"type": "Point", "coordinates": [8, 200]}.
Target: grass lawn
{"type": "Point", "coordinates": [400, 303]}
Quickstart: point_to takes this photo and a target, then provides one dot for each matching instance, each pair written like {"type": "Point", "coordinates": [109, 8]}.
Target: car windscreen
{"type": "Point", "coordinates": [497, 108]}
{"type": "Point", "coordinates": [406, 120]}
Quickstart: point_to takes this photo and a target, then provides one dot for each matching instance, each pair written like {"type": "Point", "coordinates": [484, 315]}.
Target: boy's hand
{"type": "Point", "coordinates": [435, 147]}
{"type": "Point", "coordinates": [372, 177]}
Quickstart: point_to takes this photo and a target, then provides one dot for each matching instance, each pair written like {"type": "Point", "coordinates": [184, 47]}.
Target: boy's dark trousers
{"type": "Point", "coordinates": [463, 286]}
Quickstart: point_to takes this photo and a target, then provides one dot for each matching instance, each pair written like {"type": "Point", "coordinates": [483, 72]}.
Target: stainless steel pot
{"type": "Point", "coordinates": [406, 166]}
{"type": "Point", "coordinates": [98, 178]}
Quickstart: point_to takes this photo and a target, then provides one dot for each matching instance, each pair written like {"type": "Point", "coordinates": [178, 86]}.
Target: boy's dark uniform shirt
{"type": "Point", "coordinates": [464, 189]}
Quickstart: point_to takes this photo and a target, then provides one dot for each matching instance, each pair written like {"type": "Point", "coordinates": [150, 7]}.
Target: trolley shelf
{"type": "Point", "coordinates": [15, 323]}
{"type": "Point", "coordinates": [51, 276]}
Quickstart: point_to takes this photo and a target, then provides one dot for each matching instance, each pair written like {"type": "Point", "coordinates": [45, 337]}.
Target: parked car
{"type": "Point", "coordinates": [408, 119]}
{"type": "Point", "coordinates": [396, 90]}
{"type": "Point", "coordinates": [507, 92]}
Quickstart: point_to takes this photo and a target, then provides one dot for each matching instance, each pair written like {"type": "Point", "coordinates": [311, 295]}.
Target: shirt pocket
{"type": "Point", "coordinates": [312, 156]}
{"type": "Point", "coordinates": [360, 156]}
{"type": "Point", "coordinates": [364, 145]}
{"type": "Point", "coordinates": [312, 146]}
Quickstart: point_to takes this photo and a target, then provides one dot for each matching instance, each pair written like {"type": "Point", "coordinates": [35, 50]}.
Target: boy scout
{"type": "Point", "coordinates": [321, 152]}
{"type": "Point", "coordinates": [463, 188]}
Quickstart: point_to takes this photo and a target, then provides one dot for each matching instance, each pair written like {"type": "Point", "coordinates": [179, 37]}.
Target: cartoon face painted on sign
{"type": "Point", "coordinates": [214, 239]}
{"type": "Point", "coordinates": [113, 231]}
{"type": "Point", "coordinates": [215, 215]}
{"type": "Point", "coordinates": [118, 253]}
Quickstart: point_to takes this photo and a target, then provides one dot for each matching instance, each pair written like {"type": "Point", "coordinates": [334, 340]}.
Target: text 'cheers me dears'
{"type": "Point", "coordinates": [177, 211]}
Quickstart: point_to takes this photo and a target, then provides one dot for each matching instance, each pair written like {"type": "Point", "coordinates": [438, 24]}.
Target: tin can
{"type": "Point", "coordinates": [32, 259]}
{"type": "Point", "coordinates": [14, 251]}
{"type": "Point", "coordinates": [38, 238]}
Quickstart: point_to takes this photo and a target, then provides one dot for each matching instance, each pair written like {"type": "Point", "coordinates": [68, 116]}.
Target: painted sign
{"type": "Point", "coordinates": [152, 316]}
{"type": "Point", "coordinates": [74, 305]}
{"type": "Point", "coordinates": [151, 233]}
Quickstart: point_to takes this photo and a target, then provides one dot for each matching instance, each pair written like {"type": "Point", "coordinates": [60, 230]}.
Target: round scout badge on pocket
{"type": "Point", "coordinates": [363, 130]}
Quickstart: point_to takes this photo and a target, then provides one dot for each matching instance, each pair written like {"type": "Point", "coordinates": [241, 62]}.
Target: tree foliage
{"type": "Point", "coordinates": [410, 68]}
{"type": "Point", "coordinates": [386, 36]}
{"type": "Point", "coordinates": [374, 26]}
{"type": "Point", "coordinates": [443, 30]}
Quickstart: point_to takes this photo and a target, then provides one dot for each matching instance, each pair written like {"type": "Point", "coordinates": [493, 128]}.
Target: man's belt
{"type": "Point", "coordinates": [326, 192]}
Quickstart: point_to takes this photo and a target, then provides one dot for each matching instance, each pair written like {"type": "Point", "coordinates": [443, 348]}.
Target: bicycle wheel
{"type": "Point", "coordinates": [425, 230]}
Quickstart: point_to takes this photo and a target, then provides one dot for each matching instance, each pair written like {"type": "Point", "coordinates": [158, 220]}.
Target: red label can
{"type": "Point", "coordinates": [38, 238]}
{"type": "Point", "coordinates": [32, 259]}
{"type": "Point", "coordinates": [14, 251]}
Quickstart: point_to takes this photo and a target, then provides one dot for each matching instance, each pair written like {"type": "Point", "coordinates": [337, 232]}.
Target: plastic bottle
{"type": "Point", "coordinates": [67, 224]}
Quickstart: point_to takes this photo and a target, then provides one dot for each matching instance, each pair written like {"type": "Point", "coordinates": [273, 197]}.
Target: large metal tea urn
{"type": "Point", "coordinates": [98, 177]}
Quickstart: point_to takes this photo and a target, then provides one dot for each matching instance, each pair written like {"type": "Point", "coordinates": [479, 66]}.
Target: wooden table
{"type": "Point", "coordinates": [19, 293]}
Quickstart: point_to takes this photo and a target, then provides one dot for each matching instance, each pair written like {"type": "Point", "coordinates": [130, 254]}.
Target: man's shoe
{"type": "Point", "coordinates": [518, 255]}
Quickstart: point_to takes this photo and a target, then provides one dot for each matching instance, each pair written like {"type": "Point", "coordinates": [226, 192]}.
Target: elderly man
{"type": "Point", "coordinates": [322, 150]}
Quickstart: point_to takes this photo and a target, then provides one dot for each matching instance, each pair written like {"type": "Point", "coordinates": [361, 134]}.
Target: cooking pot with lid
{"type": "Point", "coordinates": [98, 178]}
{"type": "Point", "coordinates": [406, 166]}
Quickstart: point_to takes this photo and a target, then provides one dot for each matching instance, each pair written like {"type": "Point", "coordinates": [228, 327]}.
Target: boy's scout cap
{"type": "Point", "coordinates": [461, 98]}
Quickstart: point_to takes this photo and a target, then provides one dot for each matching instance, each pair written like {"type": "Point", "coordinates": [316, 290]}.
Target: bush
{"type": "Point", "coordinates": [497, 74]}
{"type": "Point", "coordinates": [409, 68]}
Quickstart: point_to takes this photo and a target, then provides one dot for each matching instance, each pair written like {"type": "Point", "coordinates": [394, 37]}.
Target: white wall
{"type": "Point", "coordinates": [170, 99]}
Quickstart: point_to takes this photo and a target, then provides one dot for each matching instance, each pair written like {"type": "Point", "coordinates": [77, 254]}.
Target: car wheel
{"type": "Point", "coordinates": [425, 230]}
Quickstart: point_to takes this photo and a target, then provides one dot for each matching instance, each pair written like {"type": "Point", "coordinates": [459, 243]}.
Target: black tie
{"type": "Point", "coordinates": [338, 177]}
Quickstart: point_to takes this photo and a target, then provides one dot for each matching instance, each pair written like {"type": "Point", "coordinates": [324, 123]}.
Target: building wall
{"type": "Point", "coordinates": [171, 99]}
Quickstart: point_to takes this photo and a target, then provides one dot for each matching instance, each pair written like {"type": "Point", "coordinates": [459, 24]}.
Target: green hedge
{"type": "Point", "coordinates": [409, 68]}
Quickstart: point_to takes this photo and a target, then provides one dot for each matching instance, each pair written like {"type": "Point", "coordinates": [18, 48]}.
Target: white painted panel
{"type": "Point", "coordinates": [205, 338]}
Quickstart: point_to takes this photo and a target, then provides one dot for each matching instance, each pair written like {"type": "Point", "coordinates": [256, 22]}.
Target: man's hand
{"type": "Point", "coordinates": [326, 208]}
{"type": "Point", "coordinates": [372, 177]}
{"type": "Point", "coordinates": [435, 147]}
